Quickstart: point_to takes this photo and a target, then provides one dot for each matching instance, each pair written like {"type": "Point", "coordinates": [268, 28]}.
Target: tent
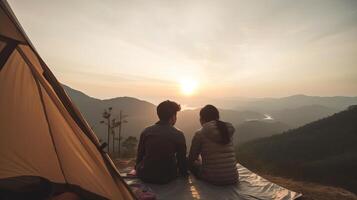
{"type": "Point", "coordinates": [46, 146]}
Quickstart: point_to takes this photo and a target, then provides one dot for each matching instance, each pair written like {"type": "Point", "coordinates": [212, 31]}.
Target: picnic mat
{"type": "Point", "coordinates": [250, 187]}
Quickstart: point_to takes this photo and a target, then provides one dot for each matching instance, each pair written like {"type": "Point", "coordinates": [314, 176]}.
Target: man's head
{"type": "Point", "coordinates": [167, 111]}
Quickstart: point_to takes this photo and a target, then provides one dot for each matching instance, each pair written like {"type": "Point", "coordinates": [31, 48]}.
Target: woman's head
{"type": "Point", "coordinates": [209, 113]}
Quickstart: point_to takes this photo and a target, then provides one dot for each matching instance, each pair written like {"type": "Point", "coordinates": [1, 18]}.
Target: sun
{"type": "Point", "coordinates": [188, 86]}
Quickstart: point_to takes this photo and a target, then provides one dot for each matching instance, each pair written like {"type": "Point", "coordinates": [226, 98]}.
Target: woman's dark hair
{"type": "Point", "coordinates": [167, 109]}
{"type": "Point", "coordinates": [211, 113]}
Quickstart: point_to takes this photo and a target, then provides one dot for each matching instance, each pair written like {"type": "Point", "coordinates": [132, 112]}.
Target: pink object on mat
{"type": "Point", "coordinates": [132, 173]}
{"type": "Point", "coordinates": [146, 196]}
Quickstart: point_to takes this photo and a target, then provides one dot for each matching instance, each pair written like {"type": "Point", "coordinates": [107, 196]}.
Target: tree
{"type": "Point", "coordinates": [113, 123]}
{"type": "Point", "coordinates": [119, 124]}
{"type": "Point", "coordinates": [129, 146]}
{"type": "Point", "coordinates": [107, 115]}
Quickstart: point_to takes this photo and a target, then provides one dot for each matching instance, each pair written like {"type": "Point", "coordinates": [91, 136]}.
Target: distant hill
{"type": "Point", "coordinates": [255, 129]}
{"type": "Point", "coordinates": [323, 151]}
{"type": "Point", "coordinates": [296, 117]}
{"type": "Point", "coordinates": [142, 114]}
{"type": "Point", "coordinates": [297, 110]}
{"type": "Point", "coordinates": [272, 104]}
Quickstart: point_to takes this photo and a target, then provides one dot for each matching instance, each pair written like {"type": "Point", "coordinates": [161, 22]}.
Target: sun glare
{"type": "Point", "coordinates": [188, 86]}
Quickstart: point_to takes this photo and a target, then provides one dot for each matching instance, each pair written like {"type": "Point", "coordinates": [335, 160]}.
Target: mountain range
{"type": "Point", "coordinates": [323, 151]}
{"type": "Point", "coordinates": [292, 102]}
{"type": "Point", "coordinates": [255, 129]}
{"type": "Point", "coordinates": [141, 114]}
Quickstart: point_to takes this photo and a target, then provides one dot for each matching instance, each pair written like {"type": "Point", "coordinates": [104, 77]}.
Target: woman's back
{"type": "Point", "coordinates": [218, 157]}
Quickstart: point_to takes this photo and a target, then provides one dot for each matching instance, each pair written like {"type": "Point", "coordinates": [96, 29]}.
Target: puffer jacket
{"type": "Point", "coordinates": [218, 160]}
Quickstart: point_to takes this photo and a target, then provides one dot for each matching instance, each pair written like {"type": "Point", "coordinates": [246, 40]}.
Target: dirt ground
{"type": "Point", "coordinates": [313, 191]}
{"type": "Point", "coordinates": [124, 163]}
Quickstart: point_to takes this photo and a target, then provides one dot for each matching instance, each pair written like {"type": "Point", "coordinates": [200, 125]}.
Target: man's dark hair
{"type": "Point", "coordinates": [167, 109]}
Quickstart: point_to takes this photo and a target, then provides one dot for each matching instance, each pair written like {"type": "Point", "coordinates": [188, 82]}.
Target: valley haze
{"type": "Point", "coordinates": [249, 116]}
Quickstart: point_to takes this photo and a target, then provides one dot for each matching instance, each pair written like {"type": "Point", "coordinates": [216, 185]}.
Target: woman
{"type": "Point", "coordinates": [214, 143]}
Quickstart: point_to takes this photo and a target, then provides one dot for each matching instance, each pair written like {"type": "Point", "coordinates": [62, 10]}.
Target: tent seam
{"type": "Point", "coordinates": [29, 64]}
{"type": "Point", "coordinates": [6, 52]}
{"type": "Point", "coordinates": [7, 39]}
{"type": "Point", "coordinates": [49, 128]}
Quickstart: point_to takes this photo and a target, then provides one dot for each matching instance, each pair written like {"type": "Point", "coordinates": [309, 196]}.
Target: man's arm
{"type": "Point", "coordinates": [181, 155]}
{"type": "Point", "coordinates": [195, 149]}
{"type": "Point", "coordinates": [141, 149]}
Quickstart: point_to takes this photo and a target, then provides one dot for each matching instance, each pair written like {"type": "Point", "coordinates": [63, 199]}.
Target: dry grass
{"type": "Point", "coordinates": [124, 163]}
{"type": "Point", "coordinates": [313, 191]}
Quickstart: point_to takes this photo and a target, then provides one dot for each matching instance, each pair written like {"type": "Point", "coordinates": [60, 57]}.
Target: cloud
{"type": "Point", "coordinates": [220, 42]}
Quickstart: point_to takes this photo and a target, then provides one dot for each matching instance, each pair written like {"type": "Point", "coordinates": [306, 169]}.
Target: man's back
{"type": "Point", "coordinates": [161, 153]}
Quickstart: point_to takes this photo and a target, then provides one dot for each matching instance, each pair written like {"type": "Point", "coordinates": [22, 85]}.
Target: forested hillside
{"type": "Point", "coordinates": [255, 129]}
{"type": "Point", "coordinates": [324, 151]}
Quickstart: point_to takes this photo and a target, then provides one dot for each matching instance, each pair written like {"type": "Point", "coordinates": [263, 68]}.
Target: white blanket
{"type": "Point", "coordinates": [250, 186]}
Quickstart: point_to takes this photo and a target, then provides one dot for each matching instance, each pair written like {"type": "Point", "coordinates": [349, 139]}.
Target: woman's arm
{"type": "Point", "coordinates": [195, 150]}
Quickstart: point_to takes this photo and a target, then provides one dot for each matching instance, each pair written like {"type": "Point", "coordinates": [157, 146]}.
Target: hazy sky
{"type": "Point", "coordinates": [144, 49]}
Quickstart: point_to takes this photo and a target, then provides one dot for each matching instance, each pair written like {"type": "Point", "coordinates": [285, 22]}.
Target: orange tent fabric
{"type": "Point", "coordinates": [43, 135]}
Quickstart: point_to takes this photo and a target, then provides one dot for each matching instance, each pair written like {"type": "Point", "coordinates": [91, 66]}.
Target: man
{"type": "Point", "coordinates": [162, 148]}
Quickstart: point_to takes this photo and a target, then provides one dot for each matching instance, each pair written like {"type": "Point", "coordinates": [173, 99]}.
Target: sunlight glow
{"type": "Point", "coordinates": [188, 86]}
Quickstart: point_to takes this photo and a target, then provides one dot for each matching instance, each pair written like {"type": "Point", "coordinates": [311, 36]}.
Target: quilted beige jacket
{"type": "Point", "coordinates": [218, 160]}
